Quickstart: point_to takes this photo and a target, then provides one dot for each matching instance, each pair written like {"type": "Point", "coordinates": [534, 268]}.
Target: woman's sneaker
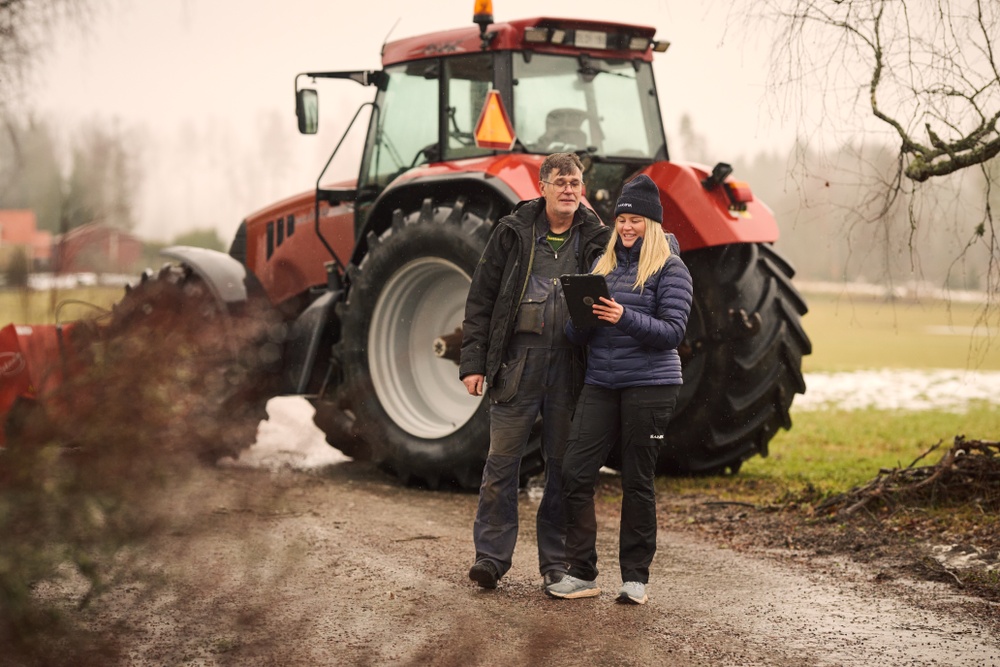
{"type": "Point", "coordinates": [552, 577]}
{"type": "Point", "coordinates": [571, 588]}
{"type": "Point", "coordinates": [632, 592]}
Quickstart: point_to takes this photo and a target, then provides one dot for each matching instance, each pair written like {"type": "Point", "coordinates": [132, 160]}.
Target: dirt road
{"type": "Point", "coordinates": [346, 567]}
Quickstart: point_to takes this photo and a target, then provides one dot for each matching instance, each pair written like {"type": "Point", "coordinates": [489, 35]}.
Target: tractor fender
{"type": "Point", "coordinates": [227, 279]}
{"type": "Point", "coordinates": [409, 196]}
{"type": "Point", "coordinates": [316, 323]}
{"type": "Point", "coordinates": [701, 218]}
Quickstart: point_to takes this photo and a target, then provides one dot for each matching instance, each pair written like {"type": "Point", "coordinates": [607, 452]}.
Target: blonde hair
{"type": "Point", "coordinates": [653, 255]}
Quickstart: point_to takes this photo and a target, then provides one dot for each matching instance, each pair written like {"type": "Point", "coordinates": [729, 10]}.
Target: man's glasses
{"type": "Point", "coordinates": [575, 186]}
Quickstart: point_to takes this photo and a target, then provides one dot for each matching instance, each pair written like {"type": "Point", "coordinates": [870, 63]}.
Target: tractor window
{"type": "Point", "coordinates": [469, 79]}
{"type": "Point", "coordinates": [566, 103]}
{"type": "Point", "coordinates": [404, 132]}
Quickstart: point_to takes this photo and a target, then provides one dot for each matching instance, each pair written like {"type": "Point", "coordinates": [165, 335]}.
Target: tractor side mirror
{"type": "Point", "coordinates": [307, 110]}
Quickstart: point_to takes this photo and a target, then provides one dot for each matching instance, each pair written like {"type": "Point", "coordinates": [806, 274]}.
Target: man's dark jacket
{"type": "Point", "coordinates": [502, 275]}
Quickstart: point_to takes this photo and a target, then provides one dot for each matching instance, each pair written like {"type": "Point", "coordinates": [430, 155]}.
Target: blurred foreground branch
{"type": "Point", "coordinates": [26, 26]}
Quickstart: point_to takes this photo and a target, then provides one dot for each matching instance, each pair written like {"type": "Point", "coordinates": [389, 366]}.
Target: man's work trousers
{"type": "Point", "coordinates": [545, 388]}
{"type": "Point", "coordinates": [636, 417]}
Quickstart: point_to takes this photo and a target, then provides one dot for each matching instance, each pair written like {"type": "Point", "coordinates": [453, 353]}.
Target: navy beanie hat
{"type": "Point", "coordinates": [640, 196]}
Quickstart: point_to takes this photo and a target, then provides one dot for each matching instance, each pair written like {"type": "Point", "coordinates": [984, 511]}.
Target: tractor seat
{"type": "Point", "coordinates": [562, 130]}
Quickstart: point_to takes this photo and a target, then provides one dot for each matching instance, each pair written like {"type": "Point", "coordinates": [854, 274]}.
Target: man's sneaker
{"type": "Point", "coordinates": [571, 588]}
{"type": "Point", "coordinates": [485, 574]}
{"type": "Point", "coordinates": [632, 592]}
{"type": "Point", "coordinates": [552, 577]}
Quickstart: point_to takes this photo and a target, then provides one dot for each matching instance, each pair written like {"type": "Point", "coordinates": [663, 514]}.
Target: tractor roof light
{"type": "Point", "coordinates": [590, 39]}
{"type": "Point", "coordinates": [536, 35]}
{"type": "Point", "coordinates": [482, 15]}
{"type": "Point", "coordinates": [550, 32]}
{"type": "Point", "coordinates": [660, 47]}
{"type": "Point", "coordinates": [720, 172]}
{"type": "Point", "coordinates": [639, 43]}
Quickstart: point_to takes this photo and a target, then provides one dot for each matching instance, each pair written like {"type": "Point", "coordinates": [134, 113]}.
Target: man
{"type": "Point", "coordinates": [515, 347]}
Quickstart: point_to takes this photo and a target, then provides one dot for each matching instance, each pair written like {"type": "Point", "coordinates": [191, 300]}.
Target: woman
{"type": "Point", "coordinates": [632, 382]}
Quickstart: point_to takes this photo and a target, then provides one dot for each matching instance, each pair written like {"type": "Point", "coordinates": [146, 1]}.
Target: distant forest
{"type": "Point", "coordinates": [843, 219]}
{"type": "Point", "coordinates": [837, 218]}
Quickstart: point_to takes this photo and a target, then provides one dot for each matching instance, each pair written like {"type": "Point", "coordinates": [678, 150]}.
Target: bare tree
{"type": "Point", "coordinates": [103, 180]}
{"type": "Point", "coordinates": [929, 69]}
{"type": "Point", "coordinates": [24, 27]}
{"type": "Point", "coordinates": [923, 75]}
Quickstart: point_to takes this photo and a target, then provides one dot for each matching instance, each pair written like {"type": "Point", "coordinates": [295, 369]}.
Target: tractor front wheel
{"type": "Point", "coordinates": [401, 400]}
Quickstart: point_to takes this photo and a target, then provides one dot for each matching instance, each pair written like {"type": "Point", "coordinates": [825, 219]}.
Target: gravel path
{"type": "Point", "coordinates": [344, 567]}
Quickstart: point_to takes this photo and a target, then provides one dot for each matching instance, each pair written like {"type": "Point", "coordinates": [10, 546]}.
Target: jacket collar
{"type": "Point", "coordinates": [526, 212]}
{"type": "Point", "coordinates": [628, 254]}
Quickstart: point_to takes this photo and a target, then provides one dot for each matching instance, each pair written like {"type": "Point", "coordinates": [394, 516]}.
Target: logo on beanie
{"type": "Point", "coordinates": [640, 196]}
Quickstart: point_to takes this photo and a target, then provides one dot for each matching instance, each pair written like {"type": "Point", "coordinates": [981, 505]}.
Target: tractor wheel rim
{"type": "Point", "coordinates": [419, 391]}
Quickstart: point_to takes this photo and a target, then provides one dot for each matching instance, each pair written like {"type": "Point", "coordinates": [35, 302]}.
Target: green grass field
{"type": "Point", "coordinates": [851, 333]}
{"type": "Point", "coordinates": [26, 307]}
{"type": "Point", "coordinates": [831, 451]}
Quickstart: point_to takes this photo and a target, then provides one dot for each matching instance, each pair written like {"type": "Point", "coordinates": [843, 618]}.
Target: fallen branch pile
{"type": "Point", "coordinates": [969, 471]}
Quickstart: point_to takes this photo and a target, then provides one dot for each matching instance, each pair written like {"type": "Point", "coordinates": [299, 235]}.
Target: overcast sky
{"type": "Point", "coordinates": [207, 86]}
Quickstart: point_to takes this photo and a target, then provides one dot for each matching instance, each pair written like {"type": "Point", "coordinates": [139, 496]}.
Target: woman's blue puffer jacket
{"type": "Point", "coordinates": [641, 349]}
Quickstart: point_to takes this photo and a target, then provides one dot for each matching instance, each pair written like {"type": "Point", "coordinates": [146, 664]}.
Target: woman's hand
{"type": "Point", "coordinates": [608, 310]}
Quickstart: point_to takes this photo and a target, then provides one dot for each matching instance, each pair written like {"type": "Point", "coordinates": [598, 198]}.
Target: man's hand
{"type": "Point", "coordinates": [474, 383]}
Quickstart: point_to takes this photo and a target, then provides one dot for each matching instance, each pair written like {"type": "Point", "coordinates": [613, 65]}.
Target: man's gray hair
{"type": "Point", "coordinates": [564, 163]}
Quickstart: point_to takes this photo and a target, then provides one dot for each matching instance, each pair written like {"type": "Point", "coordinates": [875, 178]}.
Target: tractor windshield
{"type": "Point", "coordinates": [577, 103]}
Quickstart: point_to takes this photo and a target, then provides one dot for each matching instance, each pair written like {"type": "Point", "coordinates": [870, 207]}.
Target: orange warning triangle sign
{"type": "Point", "coordinates": [494, 129]}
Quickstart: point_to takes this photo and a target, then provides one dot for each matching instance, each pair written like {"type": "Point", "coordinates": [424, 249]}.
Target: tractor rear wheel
{"type": "Point", "coordinates": [402, 404]}
{"type": "Point", "coordinates": [742, 359]}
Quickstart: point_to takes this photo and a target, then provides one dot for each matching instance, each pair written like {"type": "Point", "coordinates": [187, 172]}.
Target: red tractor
{"type": "Point", "coordinates": [365, 281]}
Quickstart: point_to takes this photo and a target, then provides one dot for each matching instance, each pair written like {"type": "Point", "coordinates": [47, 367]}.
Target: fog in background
{"type": "Point", "coordinates": [203, 91]}
{"type": "Point", "coordinates": [205, 88]}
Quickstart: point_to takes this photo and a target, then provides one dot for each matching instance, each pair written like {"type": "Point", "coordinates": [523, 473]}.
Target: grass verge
{"type": "Point", "coordinates": [778, 502]}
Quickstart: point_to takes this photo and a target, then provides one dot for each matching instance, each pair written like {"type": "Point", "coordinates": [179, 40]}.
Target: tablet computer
{"type": "Point", "coordinates": [582, 291]}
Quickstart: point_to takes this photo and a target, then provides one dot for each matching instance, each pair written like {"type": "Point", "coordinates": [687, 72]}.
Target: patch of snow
{"type": "Point", "coordinates": [964, 332]}
{"type": "Point", "coordinates": [50, 281]}
{"type": "Point", "coordinates": [909, 290]}
{"type": "Point", "coordinates": [960, 556]}
{"type": "Point", "coordinates": [288, 438]}
{"type": "Point", "coordinates": [894, 389]}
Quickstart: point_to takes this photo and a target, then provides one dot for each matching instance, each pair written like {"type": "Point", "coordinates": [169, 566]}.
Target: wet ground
{"type": "Point", "coordinates": [295, 556]}
{"type": "Point", "coordinates": [344, 567]}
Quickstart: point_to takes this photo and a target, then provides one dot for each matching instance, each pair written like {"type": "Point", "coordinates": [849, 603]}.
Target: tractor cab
{"type": "Point", "coordinates": [534, 86]}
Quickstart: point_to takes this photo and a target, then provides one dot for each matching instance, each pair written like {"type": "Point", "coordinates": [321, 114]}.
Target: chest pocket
{"type": "Point", "coordinates": [531, 311]}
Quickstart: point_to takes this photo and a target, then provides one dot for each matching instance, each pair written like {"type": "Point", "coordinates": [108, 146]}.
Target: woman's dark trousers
{"type": "Point", "coordinates": [636, 417]}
